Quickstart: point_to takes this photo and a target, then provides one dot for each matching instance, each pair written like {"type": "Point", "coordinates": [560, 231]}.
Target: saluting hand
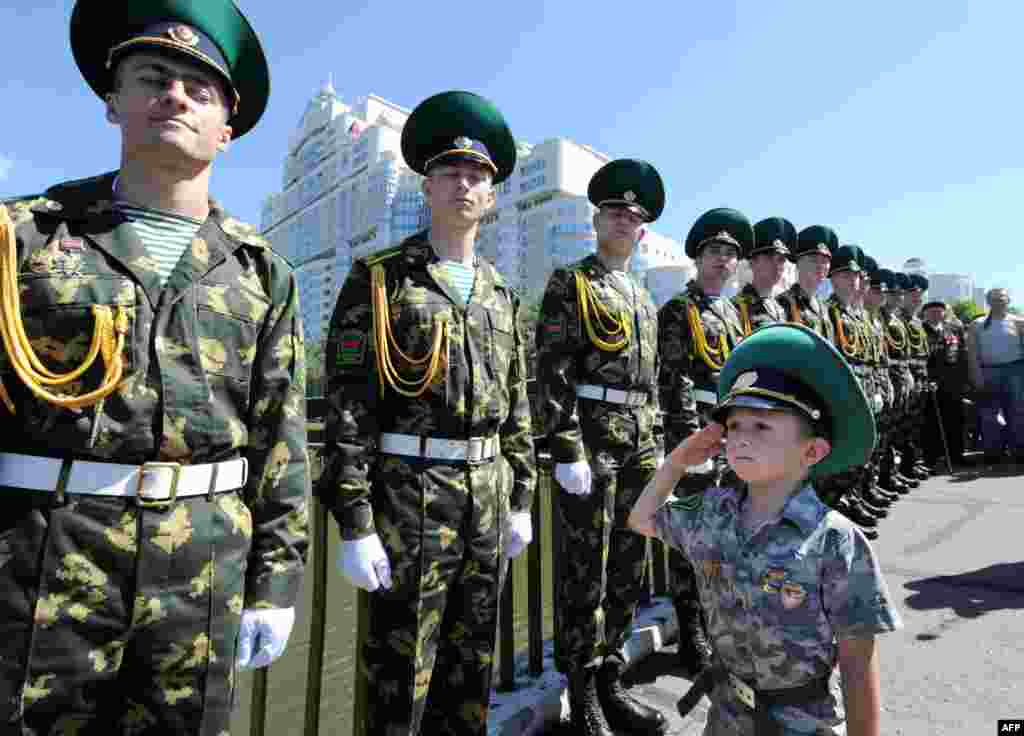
{"type": "Point", "coordinates": [698, 448]}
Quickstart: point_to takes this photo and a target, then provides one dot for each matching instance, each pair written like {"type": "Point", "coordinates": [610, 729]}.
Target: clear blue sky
{"type": "Point", "coordinates": [899, 124]}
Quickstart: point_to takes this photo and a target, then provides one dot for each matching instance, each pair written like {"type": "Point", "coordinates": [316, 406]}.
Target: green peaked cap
{"type": "Point", "coordinates": [847, 258]}
{"type": "Point", "coordinates": [211, 33]}
{"type": "Point", "coordinates": [629, 183]}
{"type": "Point", "coordinates": [773, 235]}
{"type": "Point", "coordinates": [814, 364]}
{"type": "Point", "coordinates": [720, 225]}
{"type": "Point", "coordinates": [458, 125]}
{"type": "Point", "coordinates": [816, 239]}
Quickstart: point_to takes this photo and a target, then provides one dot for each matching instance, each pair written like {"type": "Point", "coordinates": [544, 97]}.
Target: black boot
{"type": "Point", "coordinates": [859, 516]}
{"type": "Point", "coordinates": [694, 647]}
{"type": "Point", "coordinates": [623, 711]}
{"type": "Point", "coordinates": [585, 714]}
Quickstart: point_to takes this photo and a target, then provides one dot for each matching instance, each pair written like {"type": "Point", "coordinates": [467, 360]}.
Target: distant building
{"type": "Point", "coordinates": [950, 287]}
{"type": "Point", "coordinates": [346, 193]}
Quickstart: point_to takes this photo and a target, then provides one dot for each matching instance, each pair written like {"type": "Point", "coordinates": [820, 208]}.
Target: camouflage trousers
{"type": "Point", "coordinates": [602, 566]}
{"type": "Point", "coordinates": [428, 654]}
{"type": "Point", "coordinates": [120, 620]}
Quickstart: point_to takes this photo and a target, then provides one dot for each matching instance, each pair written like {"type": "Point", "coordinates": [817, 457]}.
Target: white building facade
{"type": "Point", "coordinates": [346, 193]}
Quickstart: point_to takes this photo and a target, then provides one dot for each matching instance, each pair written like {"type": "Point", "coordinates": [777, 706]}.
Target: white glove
{"type": "Point", "coordinates": [263, 636]}
{"type": "Point", "coordinates": [879, 403]}
{"type": "Point", "coordinates": [364, 563]}
{"type": "Point", "coordinates": [518, 533]}
{"type": "Point", "coordinates": [574, 477]}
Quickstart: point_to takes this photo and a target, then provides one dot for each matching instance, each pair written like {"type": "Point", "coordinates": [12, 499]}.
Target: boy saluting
{"type": "Point", "coordinates": [791, 588]}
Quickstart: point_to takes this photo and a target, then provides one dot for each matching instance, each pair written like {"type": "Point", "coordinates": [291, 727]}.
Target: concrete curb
{"type": "Point", "coordinates": [540, 702]}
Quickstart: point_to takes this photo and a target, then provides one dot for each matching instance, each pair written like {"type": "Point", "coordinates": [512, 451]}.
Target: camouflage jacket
{"type": "Point", "coordinates": [947, 362]}
{"type": "Point", "coordinates": [567, 357]}
{"type": "Point", "coordinates": [683, 369]}
{"type": "Point", "coordinates": [779, 600]}
{"type": "Point", "coordinates": [755, 311]}
{"type": "Point", "coordinates": [807, 310]}
{"type": "Point", "coordinates": [214, 360]}
{"type": "Point", "coordinates": [480, 390]}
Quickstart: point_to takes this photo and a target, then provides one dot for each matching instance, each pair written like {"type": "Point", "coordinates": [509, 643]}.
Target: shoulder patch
{"type": "Point", "coordinates": [351, 348]}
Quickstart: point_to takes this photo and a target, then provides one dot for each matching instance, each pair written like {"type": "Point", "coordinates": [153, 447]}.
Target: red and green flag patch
{"type": "Point", "coordinates": [351, 348]}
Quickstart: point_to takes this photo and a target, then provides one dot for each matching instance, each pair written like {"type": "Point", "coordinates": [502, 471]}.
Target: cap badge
{"type": "Point", "coordinates": [744, 381]}
{"type": "Point", "coordinates": [183, 35]}
{"type": "Point", "coordinates": [629, 195]}
{"type": "Point", "coordinates": [463, 142]}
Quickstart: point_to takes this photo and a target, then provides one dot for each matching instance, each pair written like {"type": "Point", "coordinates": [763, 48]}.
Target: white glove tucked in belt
{"type": "Point", "coordinates": [879, 403]}
{"type": "Point", "coordinates": [518, 533]}
{"type": "Point", "coordinates": [574, 477]}
{"type": "Point", "coordinates": [364, 563]}
{"type": "Point", "coordinates": [263, 636]}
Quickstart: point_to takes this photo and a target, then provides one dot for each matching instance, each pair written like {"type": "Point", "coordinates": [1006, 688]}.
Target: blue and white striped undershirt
{"type": "Point", "coordinates": [165, 235]}
{"type": "Point", "coordinates": [462, 276]}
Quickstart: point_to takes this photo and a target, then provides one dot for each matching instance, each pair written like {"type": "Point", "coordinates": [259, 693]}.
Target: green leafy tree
{"type": "Point", "coordinates": [967, 311]}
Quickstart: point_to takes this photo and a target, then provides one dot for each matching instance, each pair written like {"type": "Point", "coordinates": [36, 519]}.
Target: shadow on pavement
{"type": "Point", "coordinates": [657, 664]}
{"type": "Point", "coordinates": [971, 594]}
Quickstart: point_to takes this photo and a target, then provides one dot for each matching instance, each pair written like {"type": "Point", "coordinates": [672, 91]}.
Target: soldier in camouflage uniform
{"type": "Point", "coordinates": [774, 239]}
{"type": "Point", "coordinates": [155, 498]}
{"type": "Point", "coordinates": [812, 256]}
{"type": "Point", "coordinates": [791, 587]}
{"type": "Point", "coordinates": [898, 347]}
{"type": "Point", "coordinates": [430, 465]}
{"type": "Point", "coordinates": [697, 329]}
{"type": "Point", "coordinates": [947, 366]}
{"type": "Point", "coordinates": [913, 462]}
{"type": "Point", "coordinates": [842, 491]}
{"type": "Point", "coordinates": [880, 361]}
{"type": "Point", "coordinates": [598, 390]}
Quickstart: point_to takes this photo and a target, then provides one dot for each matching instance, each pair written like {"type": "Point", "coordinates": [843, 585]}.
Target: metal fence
{"type": "Point", "coordinates": [528, 612]}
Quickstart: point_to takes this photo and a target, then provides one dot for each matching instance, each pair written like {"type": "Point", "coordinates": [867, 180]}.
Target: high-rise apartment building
{"type": "Point", "coordinates": [346, 193]}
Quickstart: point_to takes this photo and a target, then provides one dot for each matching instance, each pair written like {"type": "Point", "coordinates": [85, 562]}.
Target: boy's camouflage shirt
{"type": "Point", "coordinates": [778, 600]}
{"type": "Point", "coordinates": [214, 361]}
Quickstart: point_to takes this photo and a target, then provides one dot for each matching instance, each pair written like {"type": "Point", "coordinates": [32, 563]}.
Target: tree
{"type": "Point", "coordinates": [967, 311]}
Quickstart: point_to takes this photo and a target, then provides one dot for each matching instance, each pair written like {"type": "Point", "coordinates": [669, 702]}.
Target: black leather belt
{"type": "Point", "coordinates": [759, 701]}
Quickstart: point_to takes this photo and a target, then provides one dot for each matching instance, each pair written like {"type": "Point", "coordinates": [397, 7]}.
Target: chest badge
{"type": "Point", "coordinates": [793, 595]}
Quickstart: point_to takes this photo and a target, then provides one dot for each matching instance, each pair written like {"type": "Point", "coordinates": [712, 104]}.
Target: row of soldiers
{"type": "Point", "coordinates": [613, 370]}
{"type": "Point", "coordinates": [430, 457]}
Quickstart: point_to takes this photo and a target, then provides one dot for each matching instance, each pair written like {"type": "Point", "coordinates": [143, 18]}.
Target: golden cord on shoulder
{"type": "Point", "coordinates": [715, 357]}
{"type": "Point", "coordinates": [107, 338]}
{"type": "Point", "coordinates": [851, 348]}
{"type": "Point", "coordinates": [744, 305]}
{"type": "Point", "coordinates": [603, 326]}
{"type": "Point", "coordinates": [430, 363]}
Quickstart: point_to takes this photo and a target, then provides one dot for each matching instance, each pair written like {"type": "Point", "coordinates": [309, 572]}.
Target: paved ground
{"type": "Point", "coordinates": [953, 555]}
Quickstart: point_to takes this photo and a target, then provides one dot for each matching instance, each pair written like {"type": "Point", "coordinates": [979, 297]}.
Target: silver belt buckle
{"type": "Point", "coordinates": [475, 449]}
{"type": "Point", "coordinates": [444, 449]}
{"type": "Point", "coordinates": [743, 691]}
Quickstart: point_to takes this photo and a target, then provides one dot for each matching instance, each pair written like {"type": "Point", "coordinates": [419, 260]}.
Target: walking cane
{"type": "Point", "coordinates": [942, 429]}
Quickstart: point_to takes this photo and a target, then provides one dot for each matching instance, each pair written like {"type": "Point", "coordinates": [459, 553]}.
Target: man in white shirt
{"type": "Point", "coordinates": [995, 356]}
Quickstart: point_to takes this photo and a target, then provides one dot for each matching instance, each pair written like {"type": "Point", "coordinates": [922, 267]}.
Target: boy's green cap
{"type": "Point", "coordinates": [818, 378]}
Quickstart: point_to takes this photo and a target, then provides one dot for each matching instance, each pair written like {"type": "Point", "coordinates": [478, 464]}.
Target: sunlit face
{"type": "Point", "coordinates": [459, 192]}
{"type": "Point", "coordinates": [999, 299]}
{"type": "Point", "coordinates": [934, 315]}
{"type": "Point", "coordinates": [874, 297]}
{"type": "Point", "coordinates": [618, 230]}
{"type": "Point", "coordinates": [768, 267]}
{"type": "Point", "coordinates": [914, 299]}
{"type": "Point", "coordinates": [168, 110]}
{"type": "Point", "coordinates": [846, 284]}
{"type": "Point", "coordinates": [717, 262]}
{"type": "Point", "coordinates": [765, 445]}
{"type": "Point", "coordinates": [814, 265]}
